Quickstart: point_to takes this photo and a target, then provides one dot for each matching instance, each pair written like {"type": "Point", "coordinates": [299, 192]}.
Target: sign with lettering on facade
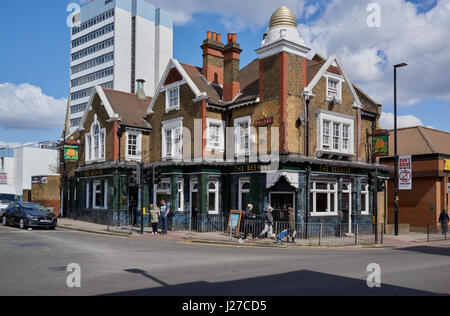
{"type": "Point", "coordinates": [3, 178]}
{"type": "Point", "coordinates": [39, 180]}
{"type": "Point", "coordinates": [380, 144]}
{"type": "Point", "coordinates": [71, 153]}
{"type": "Point", "coordinates": [405, 173]}
{"type": "Point", "coordinates": [264, 122]}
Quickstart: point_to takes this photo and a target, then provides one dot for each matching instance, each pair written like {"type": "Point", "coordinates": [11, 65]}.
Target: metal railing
{"type": "Point", "coordinates": [436, 232]}
{"type": "Point", "coordinates": [120, 222]}
{"type": "Point", "coordinates": [308, 234]}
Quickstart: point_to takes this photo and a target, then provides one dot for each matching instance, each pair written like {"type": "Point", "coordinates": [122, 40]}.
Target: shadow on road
{"type": "Point", "coordinates": [439, 251]}
{"type": "Point", "coordinates": [299, 283]}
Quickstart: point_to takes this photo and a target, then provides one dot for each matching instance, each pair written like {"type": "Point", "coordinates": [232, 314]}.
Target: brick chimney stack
{"type": "Point", "coordinates": [232, 56]}
{"type": "Point", "coordinates": [213, 58]}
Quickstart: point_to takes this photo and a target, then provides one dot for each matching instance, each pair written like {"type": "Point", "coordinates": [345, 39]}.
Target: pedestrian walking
{"type": "Point", "coordinates": [249, 216]}
{"type": "Point", "coordinates": [292, 231]}
{"type": "Point", "coordinates": [444, 219]}
{"type": "Point", "coordinates": [154, 218]}
{"type": "Point", "coordinates": [165, 210]}
{"type": "Point", "coordinates": [133, 210]}
{"type": "Point", "coordinates": [268, 223]}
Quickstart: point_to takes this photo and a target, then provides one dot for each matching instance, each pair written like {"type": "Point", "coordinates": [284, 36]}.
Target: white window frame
{"type": "Point", "coordinates": [242, 181]}
{"type": "Point", "coordinates": [327, 191]}
{"type": "Point", "coordinates": [90, 143]}
{"type": "Point", "coordinates": [180, 197]}
{"type": "Point", "coordinates": [166, 191]}
{"type": "Point", "coordinates": [193, 182]}
{"type": "Point", "coordinates": [237, 133]}
{"type": "Point", "coordinates": [366, 195]}
{"type": "Point", "coordinates": [342, 120]}
{"type": "Point", "coordinates": [173, 126]}
{"type": "Point", "coordinates": [105, 194]}
{"type": "Point", "coordinates": [138, 155]}
{"type": "Point", "coordinates": [216, 199]}
{"type": "Point", "coordinates": [168, 89]}
{"type": "Point", "coordinates": [221, 124]}
{"type": "Point", "coordinates": [339, 81]}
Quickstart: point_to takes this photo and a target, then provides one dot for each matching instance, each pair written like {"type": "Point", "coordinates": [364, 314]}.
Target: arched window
{"type": "Point", "coordinates": [95, 142]}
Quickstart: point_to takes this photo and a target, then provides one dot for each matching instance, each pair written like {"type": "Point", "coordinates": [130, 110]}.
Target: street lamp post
{"type": "Point", "coordinates": [396, 200]}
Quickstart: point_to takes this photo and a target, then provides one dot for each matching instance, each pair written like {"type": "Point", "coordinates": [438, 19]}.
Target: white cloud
{"type": "Point", "coordinates": [236, 14]}
{"type": "Point", "coordinates": [387, 121]}
{"type": "Point", "coordinates": [421, 40]}
{"type": "Point", "coordinates": [26, 107]}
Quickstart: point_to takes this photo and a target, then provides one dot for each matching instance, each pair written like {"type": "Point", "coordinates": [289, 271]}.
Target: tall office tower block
{"type": "Point", "coordinates": [115, 43]}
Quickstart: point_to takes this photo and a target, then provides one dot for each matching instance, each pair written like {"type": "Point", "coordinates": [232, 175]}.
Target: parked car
{"type": "Point", "coordinates": [29, 215]}
{"type": "Point", "coordinates": [3, 206]}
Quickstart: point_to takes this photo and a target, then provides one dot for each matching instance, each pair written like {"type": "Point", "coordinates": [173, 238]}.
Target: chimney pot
{"type": "Point", "coordinates": [140, 89]}
{"type": "Point", "coordinates": [214, 36]}
{"type": "Point", "coordinates": [219, 37]}
{"type": "Point", "coordinates": [208, 36]}
{"type": "Point", "coordinates": [234, 39]}
{"type": "Point", "coordinates": [230, 36]}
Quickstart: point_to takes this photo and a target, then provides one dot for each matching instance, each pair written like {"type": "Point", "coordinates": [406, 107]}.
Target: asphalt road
{"type": "Point", "coordinates": [34, 263]}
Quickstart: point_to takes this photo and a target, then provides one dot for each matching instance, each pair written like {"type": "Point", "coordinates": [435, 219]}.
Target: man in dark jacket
{"type": "Point", "coordinates": [268, 222]}
{"type": "Point", "coordinates": [444, 219]}
{"type": "Point", "coordinates": [249, 216]}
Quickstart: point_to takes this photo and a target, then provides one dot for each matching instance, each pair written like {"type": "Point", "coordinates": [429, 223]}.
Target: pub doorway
{"type": "Point", "coordinates": [281, 201]}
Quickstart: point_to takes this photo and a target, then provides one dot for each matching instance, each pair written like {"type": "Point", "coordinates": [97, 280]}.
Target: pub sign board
{"type": "Point", "coordinates": [380, 144]}
{"type": "Point", "coordinates": [71, 153]}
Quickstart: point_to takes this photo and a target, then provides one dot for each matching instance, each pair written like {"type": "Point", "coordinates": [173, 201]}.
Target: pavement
{"type": "Point", "coordinates": [35, 263]}
{"type": "Point", "coordinates": [406, 240]}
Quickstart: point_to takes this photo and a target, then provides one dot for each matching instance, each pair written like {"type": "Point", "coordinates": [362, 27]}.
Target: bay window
{"type": "Point", "coordinates": [335, 133]}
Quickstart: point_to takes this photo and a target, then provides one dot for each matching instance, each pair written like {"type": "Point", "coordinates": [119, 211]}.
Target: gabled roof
{"type": "Point", "coordinates": [249, 78]}
{"type": "Point", "coordinates": [128, 107]}
{"type": "Point", "coordinates": [420, 140]}
{"type": "Point", "coordinates": [121, 106]}
{"type": "Point", "coordinates": [326, 67]}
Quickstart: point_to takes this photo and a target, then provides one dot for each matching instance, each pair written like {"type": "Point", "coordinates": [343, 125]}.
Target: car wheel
{"type": "Point", "coordinates": [4, 221]}
{"type": "Point", "coordinates": [22, 224]}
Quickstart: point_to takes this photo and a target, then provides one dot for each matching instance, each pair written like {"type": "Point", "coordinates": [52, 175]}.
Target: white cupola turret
{"type": "Point", "coordinates": [282, 35]}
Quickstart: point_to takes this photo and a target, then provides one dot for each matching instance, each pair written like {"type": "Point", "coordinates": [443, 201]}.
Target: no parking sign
{"type": "Point", "coordinates": [405, 173]}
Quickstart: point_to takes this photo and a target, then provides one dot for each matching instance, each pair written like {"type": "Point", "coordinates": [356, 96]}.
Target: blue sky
{"type": "Point", "coordinates": [35, 50]}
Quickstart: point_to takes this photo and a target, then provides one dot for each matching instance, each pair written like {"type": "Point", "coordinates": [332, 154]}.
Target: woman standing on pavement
{"type": "Point", "coordinates": [154, 218]}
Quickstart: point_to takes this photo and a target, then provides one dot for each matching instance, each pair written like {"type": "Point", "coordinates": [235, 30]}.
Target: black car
{"type": "Point", "coordinates": [29, 215]}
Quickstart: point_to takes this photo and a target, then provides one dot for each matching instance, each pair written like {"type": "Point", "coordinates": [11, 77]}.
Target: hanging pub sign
{"type": "Point", "coordinates": [71, 153]}
{"type": "Point", "coordinates": [380, 143]}
{"type": "Point", "coordinates": [405, 172]}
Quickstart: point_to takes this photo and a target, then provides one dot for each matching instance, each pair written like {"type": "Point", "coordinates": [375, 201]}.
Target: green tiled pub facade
{"type": "Point", "coordinates": [95, 195]}
{"type": "Point", "coordinates": [328, 194]}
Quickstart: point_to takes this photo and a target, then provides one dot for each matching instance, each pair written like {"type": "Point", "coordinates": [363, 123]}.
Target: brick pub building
{"type": "Point", "coordinates": [211, 129]}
